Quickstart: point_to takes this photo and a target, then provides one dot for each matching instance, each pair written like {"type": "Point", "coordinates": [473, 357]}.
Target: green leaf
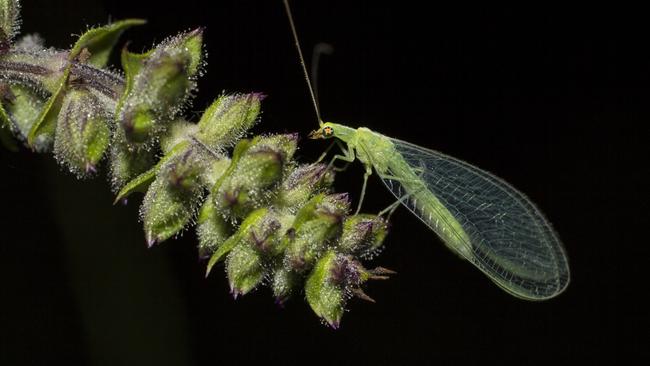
{"type": "Point", "coordinates": [46, 122]}
{"type": "Point", "coordinates": [142, 182]}
{"type": "Point", "coordinates": [100, 41]}
{"type": "Point", "coordinates": [236, 238]}
{"type": "Point", "coordinates": [221, 252]}
{"type": "Point", "coordinates": [131, 64]}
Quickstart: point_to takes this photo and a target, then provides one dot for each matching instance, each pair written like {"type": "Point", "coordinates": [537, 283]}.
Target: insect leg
{"type": "Point", "coordinates": [324, 154]}
{"type": "Point", "coordinates": [363, 188]}
{"type": "Point", "coordinates": [348, 156]}
{"type": "Point", "coordinates": [393, 206]}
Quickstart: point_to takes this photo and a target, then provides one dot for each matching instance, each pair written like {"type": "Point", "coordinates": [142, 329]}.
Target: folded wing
{"type": "Point", "coordinates": [481, 218]}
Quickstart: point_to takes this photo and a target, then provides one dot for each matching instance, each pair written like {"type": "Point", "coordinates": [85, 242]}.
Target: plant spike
{"type": "Point", "coordinates": [271, 220]}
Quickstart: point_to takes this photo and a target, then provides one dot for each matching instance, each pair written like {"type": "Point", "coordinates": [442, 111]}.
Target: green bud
{"type": "Point", "coordinates": [141, 182]}
{"type": "Point", "coordinates": [259, 244]}
{"type": "Point", "coordinates": [284, 283]}
{"type": "Point", "coordinates": [328, 286]}
{"type": "Point", "coordinates": [212, 229]}
{"type": "Point", "coordinates": [173, 198]}
{"type": "Point", "coordinates": [257, 166]}
{"type": "Point", "coordinates": [302, 183]}
{"type": "Point", "coordinates": [228, 119]}
{"type": "Point", "coordinates": [159, 86]}
{"type": "Point", "coordinates": [245, 269]}
{"type": "Point", "coordinates": [128, 162]}
{"type": "Point", "coordinates": [82, 133]}
{"type": "Point", "coordinates": [22, 107]}
{"type": "Point", "coordinates": [178, 131]}
{"type": "Point", "coordinates": [362, 235]}
{"type": "Point", "coordinates": [215, 171]}
{"type": "Point", "coordinates": [9, 23]}
{"type": "Point", "coordinates": [266, 235]}
{"type": "Point", "coordinates": [185, 168]}
{"type": "Point", "coordinates": [315, 226]}
{"type": "Point", "coordinates": [334, 280]}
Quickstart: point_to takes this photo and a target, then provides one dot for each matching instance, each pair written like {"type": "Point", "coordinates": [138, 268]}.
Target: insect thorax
{"type": "Point", "coordinates": [374, 149]}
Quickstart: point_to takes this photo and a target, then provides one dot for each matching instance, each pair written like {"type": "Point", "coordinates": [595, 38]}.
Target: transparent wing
{"type": "Point", "coordinates": [480, 217]}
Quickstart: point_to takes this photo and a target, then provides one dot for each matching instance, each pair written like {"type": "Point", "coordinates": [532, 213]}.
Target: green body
{"type": "Point", "coordinates": [377, 151]}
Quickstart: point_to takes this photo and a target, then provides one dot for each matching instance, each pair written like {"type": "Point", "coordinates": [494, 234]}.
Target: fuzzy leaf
{"type": "Point", "coordinates": [42, 132]}
{"type": "Point", "coordinates": [221, 252]}
{"type": "Point", "coordinates": [244, 230]}
{"type": "Point", "coordinates": [100, 41]}
{"type": "Point", "coordinates": [131, 64]}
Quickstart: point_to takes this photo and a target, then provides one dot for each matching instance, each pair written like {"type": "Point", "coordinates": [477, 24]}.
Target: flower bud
{"type": "Point", "coordinates": [159, 86]}
{"type": "Point", "coordinates": [22, 106]}
{"type": "Point", "coordinates": [302, 183]}
{"type": "Point", "coordinates": [178, 131]}
{"type": "Point", "coordinates": [329, 285]}
{"type": "Point", "coordinates": [184, 170]}
{"type": "Point", "coordinates": [244, 268]}
{"type": "Point", "coordinates": [315, 225]}
{"type": "Point", "coordinates": [127, 162]}
{"type": "Point", "coordinates": [256, 167]}
{"type": "Point", "coordinates": [173, 198]}
{"type": "Point", "coordinates": [285, 282]}
{"type": "Point", "coordinates": [212, 229]}
{"type": "Point", "coordinates": [362, 235]}
{"type": "Point", "coordinates": [228, 118]}
{"type": "Point", "coordinates": [82, 133]}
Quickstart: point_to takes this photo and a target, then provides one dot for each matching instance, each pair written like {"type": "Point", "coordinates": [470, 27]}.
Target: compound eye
{"type": "Point", "coordinates": [327, 131]}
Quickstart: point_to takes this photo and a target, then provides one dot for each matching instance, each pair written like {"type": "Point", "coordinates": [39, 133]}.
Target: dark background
{"type": "Point", "coordinates": [554, 100]}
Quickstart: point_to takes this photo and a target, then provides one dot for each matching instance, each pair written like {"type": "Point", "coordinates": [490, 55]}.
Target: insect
{"type": "Point", "coordinates": [477, 215]}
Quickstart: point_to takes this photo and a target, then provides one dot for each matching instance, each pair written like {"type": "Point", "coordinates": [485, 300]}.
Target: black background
{"type": "Point", "coordinates": [554, 100]}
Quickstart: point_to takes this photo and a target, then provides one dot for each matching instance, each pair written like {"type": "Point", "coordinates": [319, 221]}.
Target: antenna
{"type": "Point", "coordinates": [302, 61]}
{"type": "Point", "coordinates": [319, 49]}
